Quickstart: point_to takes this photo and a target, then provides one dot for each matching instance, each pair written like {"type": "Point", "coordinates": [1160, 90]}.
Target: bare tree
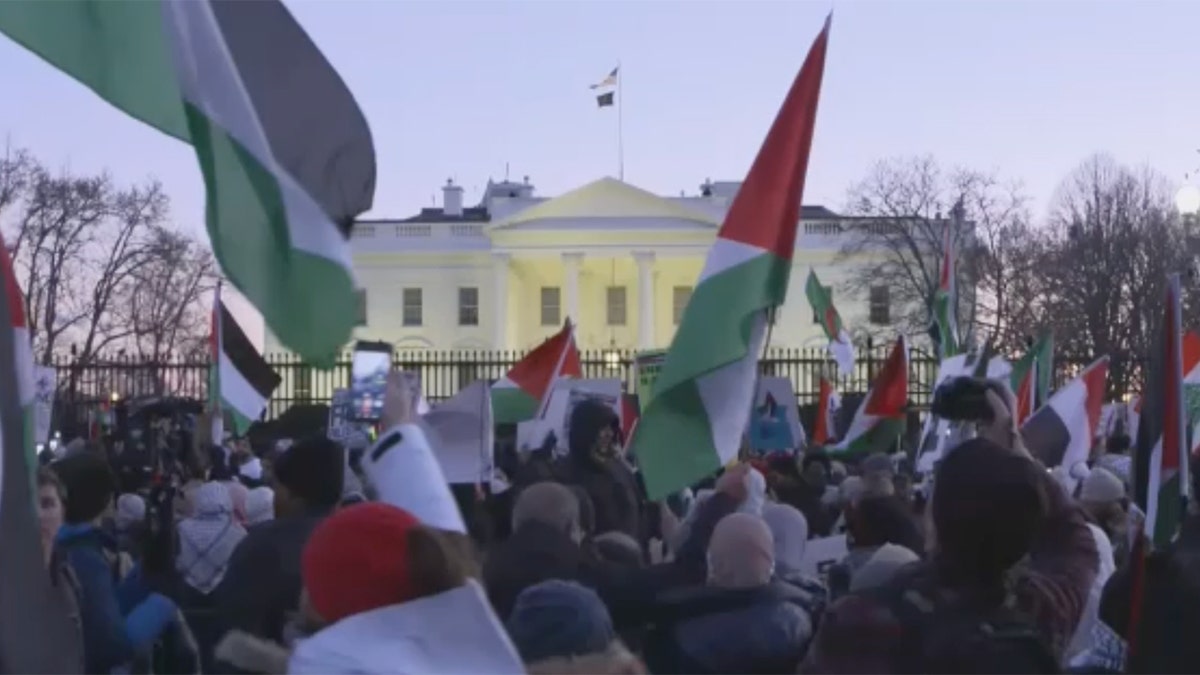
{"type": "Point", "coordinates": [163, 303]}
{"type": "Point", "coordinates": [1115, 236]}
{"type": "Point", "coordinates": [904, 206]}
{"type": "Point", "coordinates": [100, 266]}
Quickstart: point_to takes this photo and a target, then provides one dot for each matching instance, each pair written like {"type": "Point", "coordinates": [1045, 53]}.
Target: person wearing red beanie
{"type": "Point", "coordinates": [373, 555]}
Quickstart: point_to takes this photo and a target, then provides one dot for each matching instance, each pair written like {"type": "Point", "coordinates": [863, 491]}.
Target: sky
{"type": "Point", "coordinates": [463, 89]}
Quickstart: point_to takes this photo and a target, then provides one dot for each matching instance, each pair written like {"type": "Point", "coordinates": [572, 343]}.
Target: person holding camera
{"type": "Point", "coordinates": [1010, 564]}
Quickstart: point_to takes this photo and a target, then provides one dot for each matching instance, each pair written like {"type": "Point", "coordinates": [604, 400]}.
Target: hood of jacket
{"type": "Point", "coordinates": [755, 630]}
{"type": "Point", "coordinates": [452, 632]}
{"type": "Point", "coordinates": [587, 419]}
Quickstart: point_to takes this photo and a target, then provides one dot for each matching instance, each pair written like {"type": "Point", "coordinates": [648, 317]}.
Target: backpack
{"type": "Point", "coordinates": [944, 637]}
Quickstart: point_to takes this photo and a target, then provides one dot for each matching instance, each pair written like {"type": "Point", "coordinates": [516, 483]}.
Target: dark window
{"type": "Point", "coordinates": [615, 301]}
{"type": "Point", "coordinates": [880, 305]}
{"type": "Point", "coordinates": [413, 307]}
{"type": "Point", "coordinates": [551, 306]}
{"type": "Point", "coordinates": [468, 306]}
{"type": "Point", "coordinates": [360, 295]}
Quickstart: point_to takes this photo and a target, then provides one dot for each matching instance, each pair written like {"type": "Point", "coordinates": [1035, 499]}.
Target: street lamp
{"type": "Point", "coordinates": [612, 359]}
{"type": "Point", "coordinates": [1187, 200]}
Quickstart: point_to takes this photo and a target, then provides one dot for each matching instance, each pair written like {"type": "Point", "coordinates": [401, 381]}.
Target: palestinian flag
{"type": "Point", "coordinates": [828, 402]}
{"type": "Point", "coordinates": [523, 393]}
{"type": "Point", "coordinates": [243, 380]}
{"type": "Point", "coordinates": [1062, 431]}
{"type": "Point", "coordinates": [35, 634]}
{"type": "Point", "coordinates": [821, 300]}
{"type": "Point", "coordinates": [286, 154]}
{"type": "Point", "coordinates": [1160, 462]}
{"type": "Point", "coordinates": [703, 395]}
{"type": "Point", "coordinates": [879, 420]}
{"type": "Point", "coordinates": [1031, 376]}
{"type": "Point", "coordinates": [631, 410]}
{"type": "Point", "coordinates": [945, 301]}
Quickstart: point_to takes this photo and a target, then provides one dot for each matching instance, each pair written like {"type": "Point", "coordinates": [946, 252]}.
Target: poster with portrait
{"type": "Point", "coordinates": [774, 425]}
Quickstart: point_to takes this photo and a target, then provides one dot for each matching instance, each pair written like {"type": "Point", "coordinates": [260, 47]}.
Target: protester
{"type": "Point", "coordinates": [51, 497]}
{"type": "Point", "coordinates": [367, 561]}
{"type": "Point", "coordinates": [992, 508]}
{"type": "Point", "coordinates": [121, 619]}
{"type": "Point", "coordinates": [544, 545]}
{"type": "Point", "coordinates": [1169, 617]}
{"type": "Point", "coordinates": [260, 506]}
{"type": "Point", "coordinates": [559, 619]}
{"type": "Point", "coordinates": [208, 538]}
{"type": "Point", "coordinates": [593, 463]}
{"type": "Point", "coordinates": [262, 584]}
{"type": "Point", "coordinates": [741, 620]}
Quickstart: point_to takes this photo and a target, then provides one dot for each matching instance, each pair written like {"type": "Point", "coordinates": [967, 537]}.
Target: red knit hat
{"type": "Point", "coordinates": [357, 560]}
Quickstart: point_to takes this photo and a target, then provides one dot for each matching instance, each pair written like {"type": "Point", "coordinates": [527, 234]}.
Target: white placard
{"type": "Point", "coordinates": [45, 381]}
{"type": "Point", "coordinates": [460, 431]}
{"type": "Point", "coordinates": [819, 554]}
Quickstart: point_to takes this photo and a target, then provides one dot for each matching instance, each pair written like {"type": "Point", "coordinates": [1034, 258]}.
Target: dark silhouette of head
{"type": "Point", "coordinates": [989, 504]}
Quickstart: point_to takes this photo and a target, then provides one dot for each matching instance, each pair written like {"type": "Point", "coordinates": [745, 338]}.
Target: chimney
{"type": "Point", "coordinates": [452, 199]}
{"type": "Point", "coordinates": [526, 189]}
{"type": "Point", "coordinates": [706, 190]}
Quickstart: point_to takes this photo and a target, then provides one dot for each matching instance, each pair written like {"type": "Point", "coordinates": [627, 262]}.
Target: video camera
{"type": "Point", "coordinates": [964, 399]}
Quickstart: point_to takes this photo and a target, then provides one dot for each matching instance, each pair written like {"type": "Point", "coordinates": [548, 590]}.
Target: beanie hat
{"type": "Point", "coordinates": [559, 619]}
{"type": "Point", "coordinates": [881, 567]}
{"type": "Point", "coordinates": [90, 486]}
{"type": "Point", "coordinates": [1101, 485]}
{"type": "Point", "coordinates": [312, 470]}
{"type": "Point", "coordinates": [357, 560]}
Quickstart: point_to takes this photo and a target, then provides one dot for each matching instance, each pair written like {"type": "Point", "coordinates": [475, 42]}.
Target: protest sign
{"type": "Point", "coordinates": [774, 424]}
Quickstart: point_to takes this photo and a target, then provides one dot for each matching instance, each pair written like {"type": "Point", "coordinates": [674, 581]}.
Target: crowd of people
{"type": "Point", "coordinates": [259, 561]}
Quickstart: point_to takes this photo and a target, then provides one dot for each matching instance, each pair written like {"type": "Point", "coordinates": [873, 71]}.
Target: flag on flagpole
{"type": "Point", "coordinates": [1061, 432]}
{"type": "Point", "coordinates": [880, 418]}
{"type": "Point", "coordinates": [35, 633]}
{"type": "Point", "coordinates": [609, 80]}
{"type": "Point", "coordinates": [285, 152]}
{"type": "Point", "coordinates": [1160, 455]}
{"type": "Point", "coordinates": [606, 99]}
{"type": "Point", "coordinates": [243, 379]}
{"type": "Point", "coordinates": [1030, 379]}
{"type": "Point", "coordinates": [694, 424]}
{"type": "Point", "coordinates": [522, 394]}
{"type": "Point", "coordinates": [945, 300]}
{"type": "Point", "coordinates": [827, 404]}
{"type": "Point", "coordinates": [1161, 458]}
{"type": "Point", "coordinates": [821, 299]}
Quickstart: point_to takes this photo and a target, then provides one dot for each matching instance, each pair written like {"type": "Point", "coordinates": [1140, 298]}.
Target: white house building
{"type": "Point", "coordinates": [620, 261]}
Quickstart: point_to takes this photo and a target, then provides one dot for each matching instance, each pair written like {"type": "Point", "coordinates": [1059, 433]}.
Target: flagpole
{"type": "Point", "coordinates": [217, 425]}
{"type": "Point", "coordinates": [620, 125]}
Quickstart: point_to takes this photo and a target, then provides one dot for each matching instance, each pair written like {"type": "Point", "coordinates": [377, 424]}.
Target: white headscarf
{"type": "Point", "coordinates": [131, 510]}
{"type": "Point", "coordinates": [207, 538]}
{"type": "Point", "coordinates": [260, 505]}
{"type": "Point", "coordinates": [789, 527]}
{"type": "Point", "coordinates": [741, 553]}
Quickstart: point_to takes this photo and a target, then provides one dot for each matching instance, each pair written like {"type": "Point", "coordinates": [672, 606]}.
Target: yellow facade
{"type": "Point", "coordinates": [604, 234]}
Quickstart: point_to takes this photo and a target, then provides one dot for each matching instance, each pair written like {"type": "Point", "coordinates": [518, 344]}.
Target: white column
{"type": "Point", "coordinates": [500, 300]}
{"type": "Point", "coordinates": [571, 264]}
{"type": "Point", "coordinates": [645, 265]}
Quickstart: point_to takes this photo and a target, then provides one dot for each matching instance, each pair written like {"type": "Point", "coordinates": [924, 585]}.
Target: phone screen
{"type": "Point", "coordinates": [368, 379]}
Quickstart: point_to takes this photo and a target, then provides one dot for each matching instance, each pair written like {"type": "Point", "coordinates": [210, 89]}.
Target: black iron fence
{"type": "Point", "coordinates": [84, 385]}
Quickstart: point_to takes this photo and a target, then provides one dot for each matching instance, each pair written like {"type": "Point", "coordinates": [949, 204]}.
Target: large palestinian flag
{"type": "Point", "coordinates": [242, 380]}
{"type": "Point", "coordinates": [694, 424]}
{"type": "Point", "coordinates": [35, 634]}
{"type": "Point", "coordinates": [880, 418]}
{"type": "Point", "coordinates": [522, 394]}
{"type": "Point", "coordinates": [286, 154]}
